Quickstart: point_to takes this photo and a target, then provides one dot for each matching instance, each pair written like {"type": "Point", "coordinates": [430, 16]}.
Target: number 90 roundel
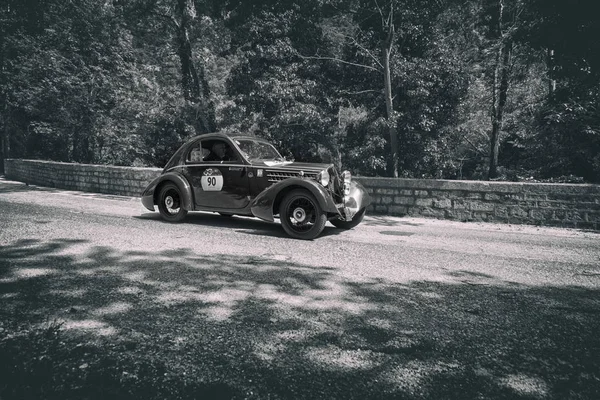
{"type": "Point", "coordinates": [212, 180]}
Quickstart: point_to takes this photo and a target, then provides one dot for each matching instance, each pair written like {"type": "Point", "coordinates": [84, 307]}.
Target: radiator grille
{"type": "Point", "coordinates": [277, 176]}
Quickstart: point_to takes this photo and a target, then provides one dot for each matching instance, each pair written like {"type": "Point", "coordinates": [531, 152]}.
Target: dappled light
{"type": "Point", "coordinates": [89, 325]}
{"type": "Point", "coordinates": [526, 385]}
{"type": "Point", "coordinates": [271, 325]}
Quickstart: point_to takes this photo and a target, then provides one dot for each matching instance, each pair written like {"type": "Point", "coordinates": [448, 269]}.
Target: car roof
{"type": "Point", "coordinates": [226, 135]}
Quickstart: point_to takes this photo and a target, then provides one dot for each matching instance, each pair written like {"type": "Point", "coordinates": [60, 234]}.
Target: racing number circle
{"type": "Point", "coordinates": [212, 180]}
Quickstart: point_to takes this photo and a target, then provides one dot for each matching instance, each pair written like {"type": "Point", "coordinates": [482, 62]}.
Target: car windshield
{"type": "Point", "coordinates": [255, 150]}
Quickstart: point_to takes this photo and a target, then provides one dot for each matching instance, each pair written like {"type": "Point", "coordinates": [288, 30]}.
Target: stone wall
{"type": "Point", "coordinates": [565, 205]}
{"type": "Point", "coordinates": [124, 181]}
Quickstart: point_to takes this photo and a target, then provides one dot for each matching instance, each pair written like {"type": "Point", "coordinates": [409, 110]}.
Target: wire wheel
{"type": "Point", "coordinates": [301, 215]}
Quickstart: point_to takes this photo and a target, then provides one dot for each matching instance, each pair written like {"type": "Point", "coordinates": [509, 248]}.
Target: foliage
{"type": "Point", "coordinates": [126, 83]}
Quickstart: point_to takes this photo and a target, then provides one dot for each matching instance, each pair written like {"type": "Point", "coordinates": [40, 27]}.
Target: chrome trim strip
{"type": "Point", "coordinates": [215, 164]}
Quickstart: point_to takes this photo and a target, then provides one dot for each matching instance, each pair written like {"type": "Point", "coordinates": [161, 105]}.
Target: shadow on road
{"type": "Point", "coordinates": [247, 225]}
{"type": "Point", "coordinates": [178, 324]}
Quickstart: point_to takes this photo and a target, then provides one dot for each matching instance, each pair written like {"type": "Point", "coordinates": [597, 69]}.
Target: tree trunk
{"type": "Point", "coordinates": [5, 141]}
{"type": "Point", "coordinates": [499, 86]}
{"type": "Point", "coordinates": [193, 81]}
{"type": "Point", "coordinates": [389, 107]}
{"type": "Point", "coordinates": [499, 101]}
{"type": "Point", "coordinates": [551, 76]}
{"type": "Point", "coordinates": [5, 136]}
{"type": "Point", "coordinates": [386, 50]}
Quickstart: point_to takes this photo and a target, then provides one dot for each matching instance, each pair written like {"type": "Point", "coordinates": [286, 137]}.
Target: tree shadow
{"type": "Point", "coordinates": [223, 326]}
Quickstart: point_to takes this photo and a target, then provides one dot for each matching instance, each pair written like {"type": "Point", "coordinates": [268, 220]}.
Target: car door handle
{"type": "Point", "coordinates": [236, 168]}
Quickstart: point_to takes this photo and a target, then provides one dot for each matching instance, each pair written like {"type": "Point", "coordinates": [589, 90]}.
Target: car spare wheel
{"type": "Point", "coordinates": [170, 203]}
{"type": "Point", "coordinates": [358, 217]}
{"type": "Point", "coordinates": [301, 215]}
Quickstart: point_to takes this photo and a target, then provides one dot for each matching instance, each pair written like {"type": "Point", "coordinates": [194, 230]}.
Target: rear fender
{"type": "Point", "coordinates": [150, 194]}
{"type": "Point", "coordinates": [263, 205]}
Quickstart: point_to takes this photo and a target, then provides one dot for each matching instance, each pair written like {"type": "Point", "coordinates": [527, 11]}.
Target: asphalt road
{"type": "Point", "coordinates": [397, 307]}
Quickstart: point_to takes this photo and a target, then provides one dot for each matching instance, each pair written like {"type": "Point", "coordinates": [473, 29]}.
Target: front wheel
{"type": "Point", "coordinates": [301, 215]}
{"type": "Point", "coordinates": [358, 217]}
{"type": "Point", "coordinates": [169, 203]}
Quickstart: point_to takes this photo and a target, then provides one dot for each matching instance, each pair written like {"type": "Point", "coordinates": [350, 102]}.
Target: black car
{"type": "Point", "coordinates": [245, 175]}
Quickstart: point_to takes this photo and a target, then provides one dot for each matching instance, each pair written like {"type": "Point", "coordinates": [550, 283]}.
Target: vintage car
{"type": "Point", "coordinates": [245, 175]}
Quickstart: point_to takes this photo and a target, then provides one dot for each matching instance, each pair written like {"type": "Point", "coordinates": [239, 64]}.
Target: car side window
{"type": "Point", "coordinates": [197, 153]}
{"type": "Point", "coordinates": [219, 151]}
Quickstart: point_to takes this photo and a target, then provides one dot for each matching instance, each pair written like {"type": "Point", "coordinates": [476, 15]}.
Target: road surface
{"type": "Point", "coordinates": [397, 307]}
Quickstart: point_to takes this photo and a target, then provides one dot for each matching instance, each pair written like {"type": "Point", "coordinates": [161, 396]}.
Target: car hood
{"type": "Point", "coordinates": [292, 165]}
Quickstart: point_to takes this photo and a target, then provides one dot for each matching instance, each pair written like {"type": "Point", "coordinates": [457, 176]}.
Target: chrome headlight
{"type": "Point", "coordinates": [323, 178]}
{"type": "Point", "coordinates": [346, 178]}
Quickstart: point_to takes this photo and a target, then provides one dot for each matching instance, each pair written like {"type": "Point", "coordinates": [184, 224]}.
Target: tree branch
{"type": "Point", "coordinates": [363, 48]}
{"type": "Point", "coordinates": [339, 61]}
{"type": "Point", "coordinates": [360, 92]}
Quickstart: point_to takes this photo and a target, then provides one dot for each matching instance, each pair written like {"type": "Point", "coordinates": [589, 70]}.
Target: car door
{"type": "Point", "coordinates": [217, 184]}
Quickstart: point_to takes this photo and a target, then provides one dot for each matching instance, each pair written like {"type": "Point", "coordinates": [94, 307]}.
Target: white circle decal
{"type": "Point", "coordinates": [212, 180]}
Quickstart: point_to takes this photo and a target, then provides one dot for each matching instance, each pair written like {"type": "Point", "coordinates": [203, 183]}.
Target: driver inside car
{"type": "Point", "coordinates": [219, 152]}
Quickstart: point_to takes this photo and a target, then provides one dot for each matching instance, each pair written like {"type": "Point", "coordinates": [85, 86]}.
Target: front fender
{"type": "Point", "coordinates": [357, 199]}
{"type": "Point", "coordinates": [149, 194]}
{"type": "Point", "coordinates": [262, 205]}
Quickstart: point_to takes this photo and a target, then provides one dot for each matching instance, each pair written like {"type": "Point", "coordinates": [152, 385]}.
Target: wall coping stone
{"type": "Point", "coordinates": [475, 186]}
{"type": "Point", "coordinates": [86, 167]}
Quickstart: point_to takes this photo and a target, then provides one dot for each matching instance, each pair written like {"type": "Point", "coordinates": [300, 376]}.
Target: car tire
{"type": "Point", "coordinates": [301, 215]}
{"type": "Point", "coordinates": [169, 203]}
{"type": "Point", "coordinates": [358, 217]}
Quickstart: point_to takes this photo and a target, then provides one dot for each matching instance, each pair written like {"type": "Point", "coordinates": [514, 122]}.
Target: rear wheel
{"type": "Point", "coordinates": [301, 215]}
{"type": "Point", "coordinates": [358, 217]}
{"type": "Point", "coordinates": [170, 203]}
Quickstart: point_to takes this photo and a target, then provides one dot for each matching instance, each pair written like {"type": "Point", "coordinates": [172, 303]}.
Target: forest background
{"type": "Point", "coordinates": [457, 89]}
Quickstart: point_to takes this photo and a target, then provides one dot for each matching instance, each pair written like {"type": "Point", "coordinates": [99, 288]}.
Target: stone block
{"type": "Point", "coordinates": [501, 212]}
{"type": "Point", "coordinates": [514, 196]}
{"type": "Point", "coordinates": [401, 200]}
{"type": "Point", "coordinates": [386, 200]}
{"type": "Point", "coordinates": [482, 216]}
{"type": "Point", "coordinates": [569, 215]}
{"type": "Point", "coordinates": [481, 206]}
{"type": "Point", "coordinates": [430, 212]}
{"type": "Point", "coordinates": [386, 191]}
{"type": "Point", "coordinates": [442, 203]}
{"type": "Point", "coordinates": [460, 204]}
{"type": "Point", "coordinates": [382, 209]}
{"type": "Point", "coordinates": [421, 193]}
{"type": "Point", "coordinates": [491, 197]}
{"type": "Point", "coordinates": [443, 194]}
{"type": "Point", "coordinates": [535, 196]}
{"type": "Point", "coordinates": [518, 212]}
{"type": "Point", "coordinates": [460, 215]}
{"type": "Point", "coordinates": [423, 202]}
{"type": "Point", "coordinates": [473, 195]}
{"type": "Point", "coordinates": [541, 214]}
{"type": "Point", "coordinates": [398, 210]}
{"type": "Point", "coordinates": [587, 225]}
